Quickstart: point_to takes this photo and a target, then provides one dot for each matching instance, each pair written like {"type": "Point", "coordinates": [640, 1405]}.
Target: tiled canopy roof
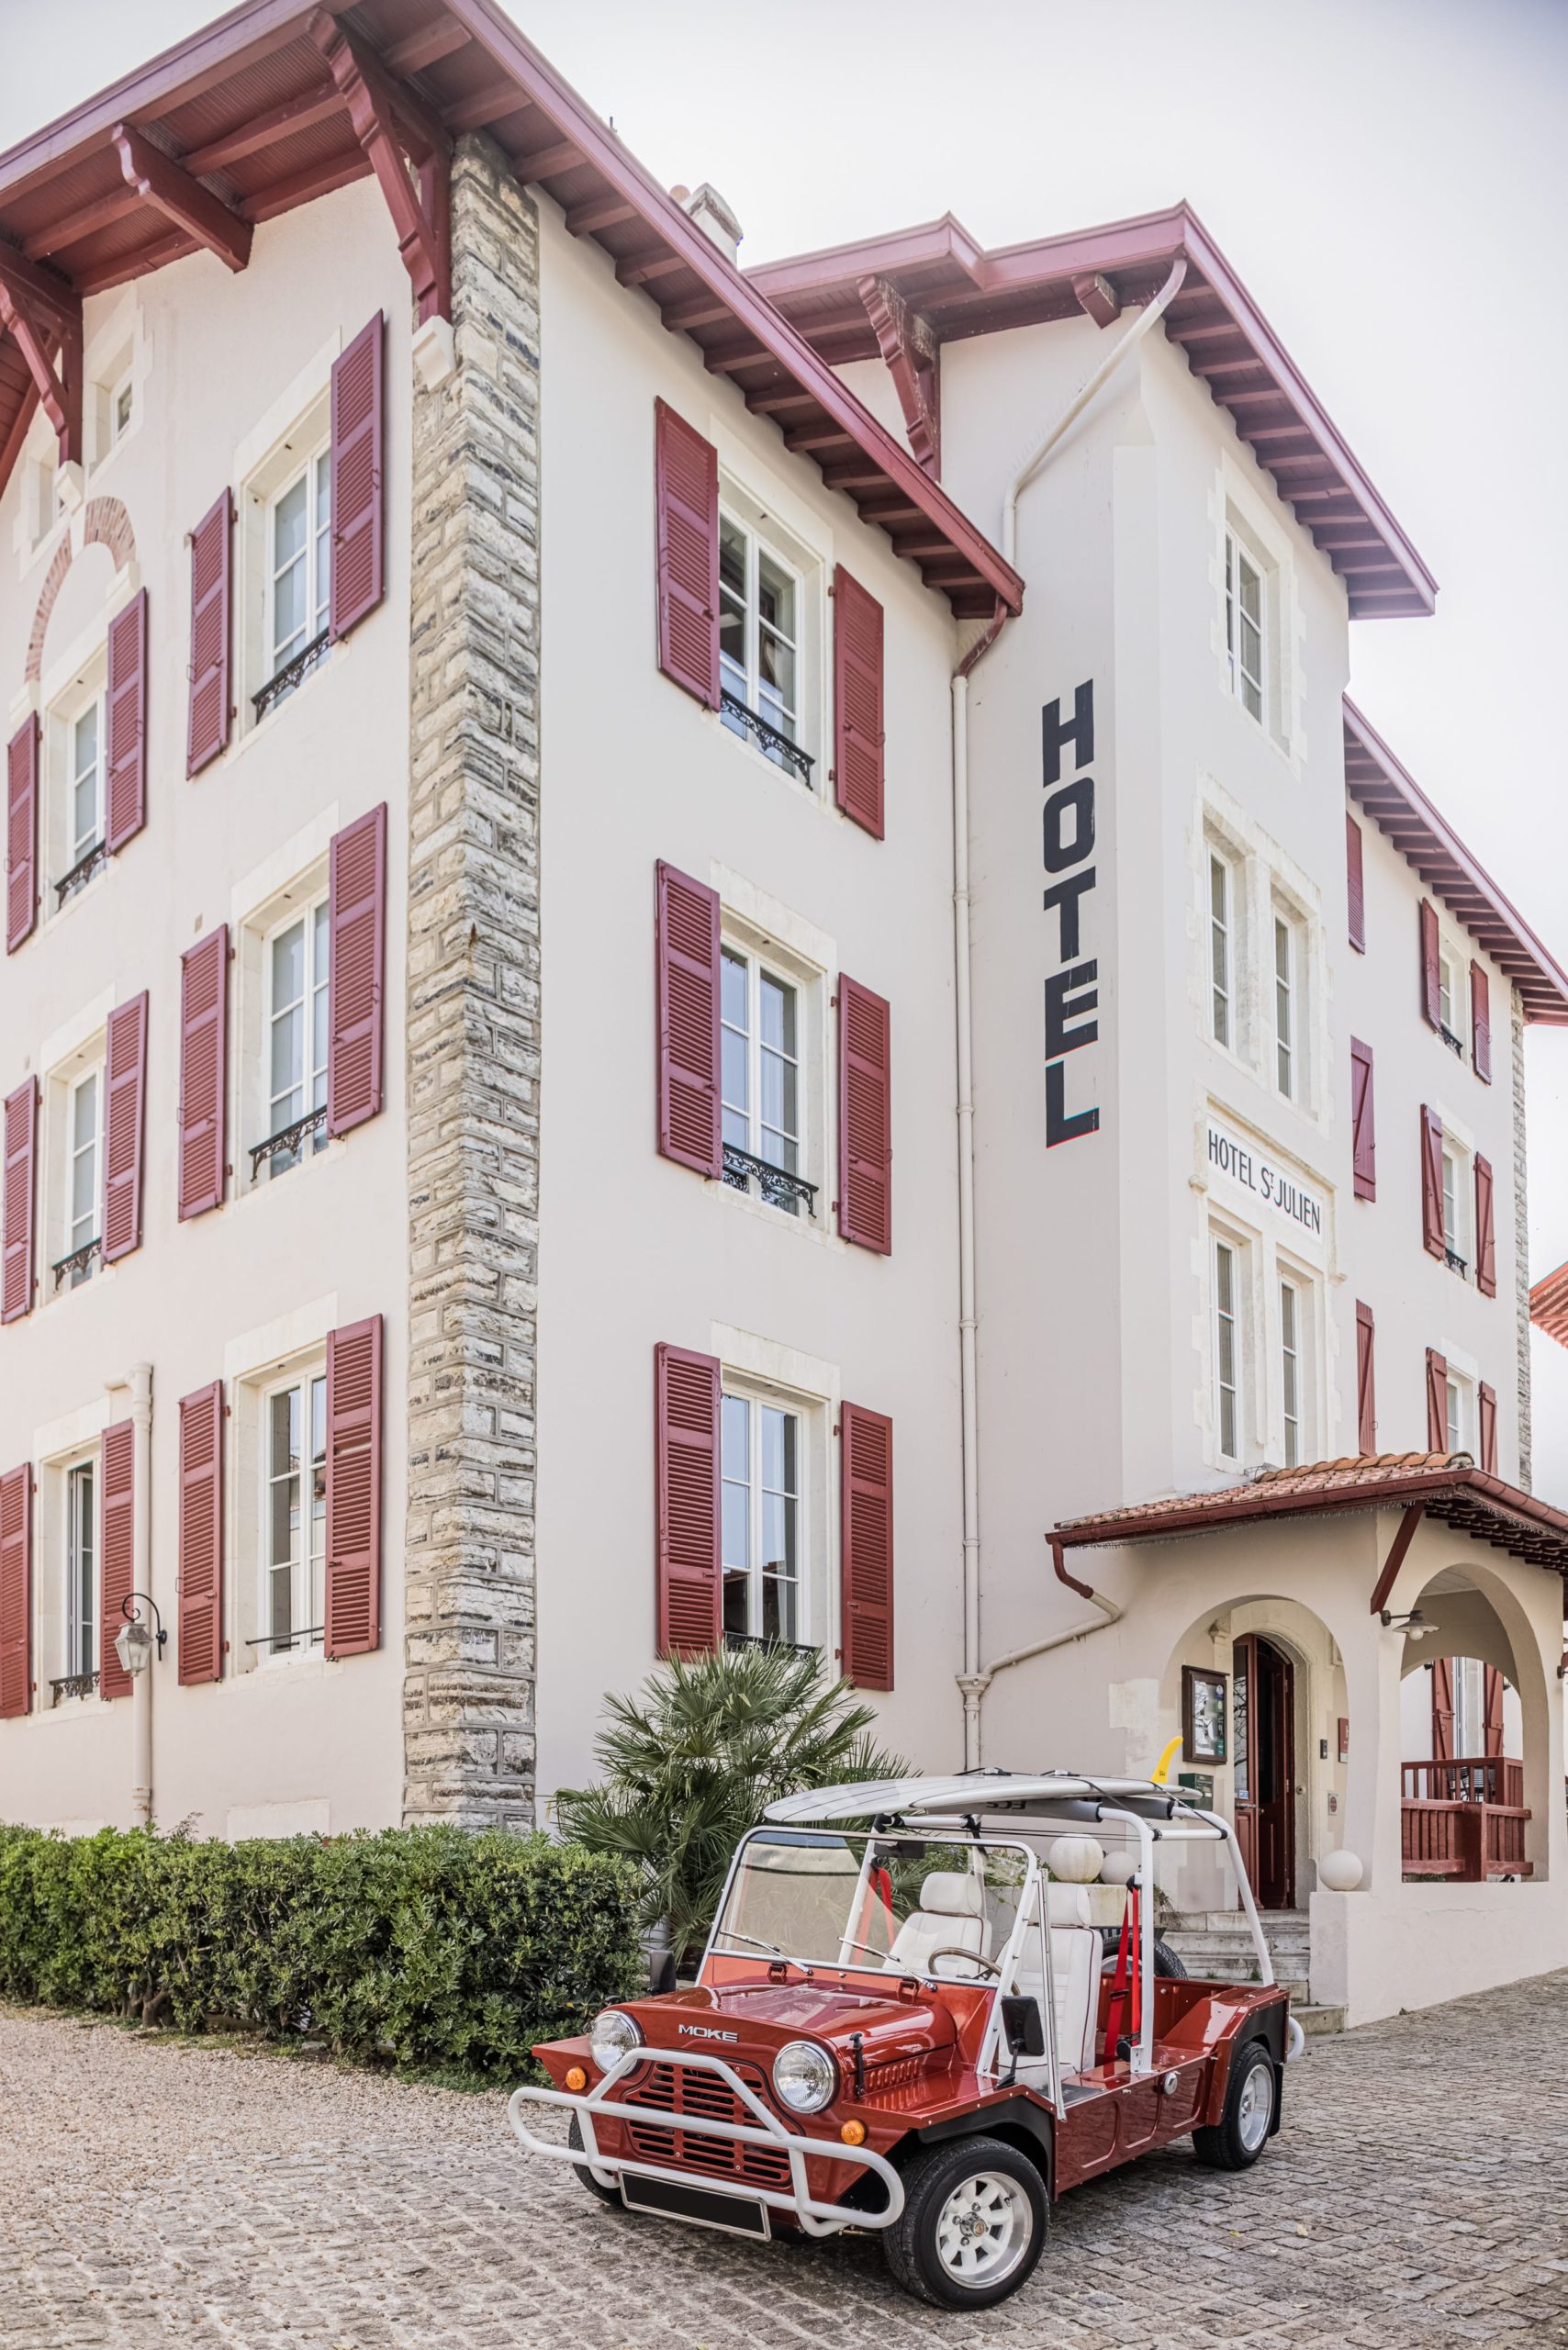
{"type": "Point", "coordinates": [954, 287]}
{"type": "Point", "coordinates": [1549, 1306]}
{"type": "Point", "coordinates": [250, 117]}
{"type": "Point", "coordinates": [1448, 1486]}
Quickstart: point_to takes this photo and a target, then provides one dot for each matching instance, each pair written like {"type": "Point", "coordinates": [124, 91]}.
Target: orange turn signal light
{"type": "Point", "coordinates": [853, 2133]}
{"type": "Point", "coordinates": [576, 2078]}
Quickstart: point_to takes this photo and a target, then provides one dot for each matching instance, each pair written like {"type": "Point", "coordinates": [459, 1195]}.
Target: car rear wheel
{"type": "Point", "coordinates": [973, 2224]}
{"type": "Point", "coordinates": [1239, 2136]}
{"type": "Point", "coordinates": [582, 2172]}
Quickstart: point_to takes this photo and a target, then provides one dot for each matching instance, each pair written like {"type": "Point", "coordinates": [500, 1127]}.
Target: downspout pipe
{"type": "Point", "coordinates": [973, 1685]}
{"type": "Point", "coordinates": [140, 1385]}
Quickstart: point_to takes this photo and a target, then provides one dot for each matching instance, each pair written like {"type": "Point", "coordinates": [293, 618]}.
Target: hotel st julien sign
{"type": "Point", "coordinates": [1245, 1165]}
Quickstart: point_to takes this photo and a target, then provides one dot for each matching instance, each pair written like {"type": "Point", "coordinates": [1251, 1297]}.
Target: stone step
{"type": "Point", "coordinates": [1237, 1947]}
{"type": "Point", "coordinates": [1218, 1921]}
{"type": "Point", "coordinates": [1318, 2023]}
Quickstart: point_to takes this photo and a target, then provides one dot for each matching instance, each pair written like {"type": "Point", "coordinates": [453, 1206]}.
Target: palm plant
{"type": "Point", "coordinates": [690, 1762]}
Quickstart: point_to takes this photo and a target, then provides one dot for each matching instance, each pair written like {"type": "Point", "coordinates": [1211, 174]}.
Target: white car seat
{"type": "Point", "coordinates": [1076, 1952]}
{"type": "Point", "coordinates": [951, 1917]}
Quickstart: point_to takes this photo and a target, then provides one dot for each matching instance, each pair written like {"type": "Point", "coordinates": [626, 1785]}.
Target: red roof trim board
{"type": "Point", "coordinates": [1549, 1306]}
{"type": "Point", "coordinates": [247, 113]}
{"type": "Point", "coordinates": [956, 288]}
{"type": "Point", "coordinates": [1398, 806]}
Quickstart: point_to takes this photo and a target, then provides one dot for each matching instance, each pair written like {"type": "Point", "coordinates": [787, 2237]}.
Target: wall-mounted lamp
{"type": "Point", "coordinates": [1415, 1627]}
{"type": "Point", "coordinates": [135, 1645]}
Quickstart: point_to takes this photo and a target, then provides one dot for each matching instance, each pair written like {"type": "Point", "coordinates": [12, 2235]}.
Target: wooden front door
{"type": "Point", "coordinates": [1263, 1757]}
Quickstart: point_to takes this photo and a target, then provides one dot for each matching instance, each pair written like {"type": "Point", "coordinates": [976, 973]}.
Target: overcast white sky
{"type": "Point", "coordinates": [1388, 177]}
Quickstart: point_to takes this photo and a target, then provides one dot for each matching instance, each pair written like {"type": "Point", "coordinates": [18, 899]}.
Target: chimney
{"type": "Point", "coordinates": [713, 215]}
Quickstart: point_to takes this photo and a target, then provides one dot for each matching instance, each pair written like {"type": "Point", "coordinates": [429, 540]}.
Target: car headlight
{"type": "Point", "coordinates": [804, 2076]}
{"type": "Point", "coordinates": [610, 2034]}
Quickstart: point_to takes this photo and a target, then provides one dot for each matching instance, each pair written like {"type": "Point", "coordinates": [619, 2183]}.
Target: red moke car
{"type": "Point", "coordinates": [912, 2026]}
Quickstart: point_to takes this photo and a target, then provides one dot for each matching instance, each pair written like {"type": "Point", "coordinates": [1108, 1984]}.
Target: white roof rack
{"type": "Point", "coordinates": [979, 1794]}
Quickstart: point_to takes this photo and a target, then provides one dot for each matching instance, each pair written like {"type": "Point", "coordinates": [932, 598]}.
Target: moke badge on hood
{"type": "Point", "coordinates": [703, 2032]}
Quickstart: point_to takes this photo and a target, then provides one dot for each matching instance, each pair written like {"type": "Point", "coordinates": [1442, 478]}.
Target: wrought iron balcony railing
{"type": "Point", "coordinates": [72, 1684]}
{"type": "Point", "coordinates": [81, 872]}
{"type": "Point", "coordinates": [777, 1185]}
{"type": "Point", "coordinates": [285, 680]}
{"type": "Point", "coordinates": [288, 1139]}
{"type": "Point", "coordinates": [768, 740]}
{"type": "Point", "coordinates": [78, 1264]}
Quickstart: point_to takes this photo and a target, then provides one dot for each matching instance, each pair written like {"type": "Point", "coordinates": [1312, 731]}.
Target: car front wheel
{"type": "Point", "coordinates": [973, 2224]}
{"type": "Point", "coordinates": [1240, 2135]}
{"type": "Point", "coordinates": [581, 2171]}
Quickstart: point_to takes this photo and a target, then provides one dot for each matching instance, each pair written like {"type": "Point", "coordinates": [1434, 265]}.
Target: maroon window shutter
{"type": "Point", "coordinates": [358, 480]}
{"type": "Point", "coordinates": [686, 997]}
{"type": "Point", "coordinates": [1481, 1022]}
{"type": "Point", "coordinates": [1436, 1401]}
{"type": "Point", "coordinates": [1485, 1230]}
{"type": "Point", "coordinates": [353, 1488]}
{"type": "Point", "coordinates": [1432, 984]}
{"type": "Point", "coordinates": [1432, 1183]}
{"type": "Point", "coordinates": [688, 1576]}
{"type": "Point", "coordinates": [1486, 1399]}
{"type": "Point", "coordinates": [125, 1109]}
{"type": "Point", "coordinates": [1363, 1123]}
{"type": "Point", "coordinates": [19, 1205]}
{"type": "Point", "coordinates": [356, 928]}
{"type": "Point", "coordinates": [126, 790]}
{"type": "Point", "coordinates": [857, 703]}
{"type": "Point", "coordinates": [211, 629]}
{"type": "Point", "coordinates": [1442, 1709]}
{"type": "Point", "coordinates": [685, 471]}
{"type": "Point", "coordinates": [116, 1551]}
{"type": "Point", "coordinates": [201, 1535]}
{"type": "Point", "coordinates": [1366, 1380]}
{"type": "Point", "coordinates": [866, 1519]}
{"type": "Point", "coordinates": [204, 1072]}
{"type": "Point", "coordinates": [1491, 1709]}
{"type": "Point", "coordinates": [21, 835]}
{"type": "Point", "coordinates": [16, 1592]}
{"type": "Point", "coordinates": [865, 1123]}
{"type": "Point", "coordinates": [1355, 883]}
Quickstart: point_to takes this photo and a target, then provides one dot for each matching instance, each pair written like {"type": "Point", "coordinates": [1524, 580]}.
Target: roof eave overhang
{"type": "Point", "coordinates": [1549, 1306]}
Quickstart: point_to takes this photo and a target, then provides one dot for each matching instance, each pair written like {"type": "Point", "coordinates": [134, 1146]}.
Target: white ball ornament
{"type": "Point", "coordinates": [1339, 1872]}
{"type": "Point", "coordinates": [1076, 1860]}
{"type": "Point", "coordinates": [1117, 1868]}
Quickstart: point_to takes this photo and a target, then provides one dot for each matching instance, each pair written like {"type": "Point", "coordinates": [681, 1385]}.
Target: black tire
{"type": "Point", "coordinates": [913, 2245]}
{"type": "Point", "coordinates": [1166, 1962]}
{"type": "Point", "coordinates": [1252, 2100]}
{"type": "Point", "coordinates": [611, 2194]}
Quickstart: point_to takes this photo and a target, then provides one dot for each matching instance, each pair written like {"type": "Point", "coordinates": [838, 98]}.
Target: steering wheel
{"type": "Point", "coordinates": [970, 1958]}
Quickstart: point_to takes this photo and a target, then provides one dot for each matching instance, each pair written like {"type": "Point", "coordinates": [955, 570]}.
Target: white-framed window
{"type": "Point", "coordinates": [1222, 978]}
{"type": "Point", "coordinates": [1456, 1182]}
{"type": "Point", "coordinates": [296, 968]}
{"type": "Point", "coordinates": [73, 815]}
{"type": "Point", "coordinates": [121, 406]}
{"type": "Point", "coordinates": [293, 1514]}
{"type": "Point", "coordinates": [1286, 1007]}
{"type": "Point", "coordinates": [1468, 1681]}
{"type": "Point", "coordinates": [1246, 627]}
{"type": "Point", "coordinates": [1292, 1370]}
{"type": "Point", "coordinates": [299, 547]}
{"type": "Point", "coordinates": [759, 632]}
{"type": "Point", "coordinates": [763, 1457]}
{"type": "Point", "coordinates": [85, 816]}
{"type": "Point", "coordinates": [761, 1044]}
{"type": "Point", "coordinates": [1227, 1348]}
{"type": "Point", "coordinates": [84, 1171]}
{"type": "Point", "coordinates": [1458, 1421]}
{"type": "Point", "coordinates": [79, 1613]}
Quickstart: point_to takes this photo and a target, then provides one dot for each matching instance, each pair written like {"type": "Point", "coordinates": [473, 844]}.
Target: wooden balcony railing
{"type": "Point", "coordinates": [1469, 1778]}
{"type": "Point", "coordinates": [1464, 1818]}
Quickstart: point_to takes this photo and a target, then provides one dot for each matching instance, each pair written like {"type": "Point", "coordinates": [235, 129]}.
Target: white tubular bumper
{"type": "Point", "coordinates": [1295, 2039]}
{"type": "Point", "coordinates": [817, 2219]}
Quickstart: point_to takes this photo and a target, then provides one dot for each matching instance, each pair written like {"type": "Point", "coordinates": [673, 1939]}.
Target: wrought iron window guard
{"type": "Point", "coordinates": [286, 1138]}
{"type": "Point", "coordinates": [768, 740]}
{"type": "Point", "coordinates": [285, 680]}
{"type": "Point", "coordinates": [768, 1640]}
{"type": "Point", "coordinates": [78, 1262]}
{"type": "Point", "coordinates": [1455, 1261]}
{"type": "Point", "coordinates": [81, 872]}
{"type": "Point", "coordinates": [1455, 1043]}
{"type": "Point", "coordinates": [294, 1639]}
{"type": "Point", "coordinates": [72, 1684]}
{"type": "Point", "coordinates": [775, 1184]}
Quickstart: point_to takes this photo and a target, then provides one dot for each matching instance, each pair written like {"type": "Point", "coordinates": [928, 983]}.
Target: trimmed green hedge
{"type": "Point", "coordinates": [434, 1948]}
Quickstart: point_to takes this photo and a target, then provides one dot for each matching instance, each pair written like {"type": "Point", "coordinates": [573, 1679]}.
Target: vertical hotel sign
{"type": "Point", "coordinates": [1073, 989]}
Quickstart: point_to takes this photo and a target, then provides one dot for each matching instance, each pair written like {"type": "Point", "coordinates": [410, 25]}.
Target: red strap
{"type": "Point", "coordinates": [1135, 1988]}
{"type": "Point", "coordinates": [1116, 2006]}
{"type": "Point", "coordinates": [884, 1884]}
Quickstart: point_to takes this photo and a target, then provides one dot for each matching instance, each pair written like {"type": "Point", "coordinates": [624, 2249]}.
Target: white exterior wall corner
{"type": "Point", "coordinates": [474, 1027]}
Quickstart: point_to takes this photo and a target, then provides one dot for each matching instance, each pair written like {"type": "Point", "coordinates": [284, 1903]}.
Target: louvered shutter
{"type": "Point", "coordinates": [201, 1535]}
{"type": "Point", "coordinates": [353, 1488]}
{"type": "Point", "coordinates": [204, 1072]}
{"type": "Point", "coordinates": [18, 1207]}
{"type": "Point", "coordinates": [1486, 1400]}
{"type": "Point", "coordinates": [1481, 1022]}
{"type": "Point", "coordinates": [1432, 1183]}
{"type": "Point", "coordinates": [116, 1551]}
{"type": "Point", "coordinates": [1485, 1230]}
{"type": "Point", "coordinates": [865, 1124]}
{"type": "Point", "coordinates": [358, 480]}
{"type": "Point", "coordinates": [16, 1592]}
{"type": "Point", "coordinates": [1355, 883]}
{"type": "Point", "coordinates": [356, 927]}
{"type": "Point", "coordinates": [1431, 980]}
{"type": "Point", "coordinates": [1436, 1401]}
{"type": "Point", "coordinates": [1491, 1710]}
{"type": "Point", "coordinates": [1366, 1380]}
{"type": "Point", "coordinates": [686, 470]}
{"type": "Point", "coordinates": [125, 1092]}
{"type": "Point", "coordinates": [688, 1575]}
{"type": "Point", "coordinates": [1442, 1709]}
{"type": "Point", "coordinates": [1363, 1123]}
{"type": "Point", "coordinates": [211, 631]}
{"type": "Point", "coordinates": [21, 835]}
{"type": "Point", "coordinates": [866, 1534]}
{"type": "Point", "coordinates": [857, 699]}
{"type": "Point", "coordinates": [126, 786]}
{"type": "Point", "coordinates": [686, 999]}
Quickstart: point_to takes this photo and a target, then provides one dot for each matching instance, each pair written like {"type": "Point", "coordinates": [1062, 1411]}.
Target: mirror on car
{"type": "Point", "coordinates": [1023, 2025]}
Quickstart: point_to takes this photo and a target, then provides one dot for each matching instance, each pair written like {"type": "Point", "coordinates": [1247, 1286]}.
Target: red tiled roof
{"type": "Point", "coordinates": [1398, 806]}
{"type": "Point", "coordinates": [958, 289]}
{"type": "Point", "coordinates": [1549, 1306]}
{"type": "Point", "coordinates": [1450, 1488]}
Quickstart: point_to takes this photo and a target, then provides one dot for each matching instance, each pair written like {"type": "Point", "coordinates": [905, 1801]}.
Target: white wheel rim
{"type": "Point", "coordinates": [985, 2229]}
{"type": "Point", "coordinates": [1255, 2105]}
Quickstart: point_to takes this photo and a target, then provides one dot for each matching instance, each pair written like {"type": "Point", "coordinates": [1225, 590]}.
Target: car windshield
{"type": "Point", "coordinates": [899, 1904]}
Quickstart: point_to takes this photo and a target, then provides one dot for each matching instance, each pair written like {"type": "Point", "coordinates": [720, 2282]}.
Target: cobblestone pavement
{"type": "Point", "coordinates": [156, 2193]}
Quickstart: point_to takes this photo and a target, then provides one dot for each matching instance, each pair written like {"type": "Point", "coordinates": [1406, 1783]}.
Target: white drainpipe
{"type": "Point", "coordinates": [140, 1385]}
{"type": "Point", "coordinates": [972, 1680]}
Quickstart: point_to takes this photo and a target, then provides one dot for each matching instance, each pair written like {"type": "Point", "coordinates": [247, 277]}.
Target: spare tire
{"type": "Point", "coordinates": [1166, 1962]}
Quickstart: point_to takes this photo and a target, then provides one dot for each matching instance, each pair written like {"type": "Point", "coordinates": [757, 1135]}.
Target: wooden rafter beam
{"type": "Point", "coordinates": [601, 212]}
{"type": "Point", "coordinates": [410, 154]}
{"type": "Point", "coordinates": [492, 103]}
{"type": "Point", "coordinates": [171, 190]}
{"type": "Point", "coordinates": [42, 315]}
{"type": "Point", "coordinates": [427, 47]}
{"type": "Point", "coordinates": [1395, 1558]}
{"type": "Point", "coordinates": [548, 163]}
{"type": "Point", "coordinates": [283, 121]}
{"type": "Point", "coordinates": [910, 351]}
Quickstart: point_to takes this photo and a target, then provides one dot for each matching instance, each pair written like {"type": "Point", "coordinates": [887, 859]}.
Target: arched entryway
{"type": "Point", "coordinates": [1265, 1773]}
{"type": "Point", "coordinates": [1463, 1810]}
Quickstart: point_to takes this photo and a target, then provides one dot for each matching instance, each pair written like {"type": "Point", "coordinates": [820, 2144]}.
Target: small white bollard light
{"type": "Point", "coordinates": [1339, 1872]}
